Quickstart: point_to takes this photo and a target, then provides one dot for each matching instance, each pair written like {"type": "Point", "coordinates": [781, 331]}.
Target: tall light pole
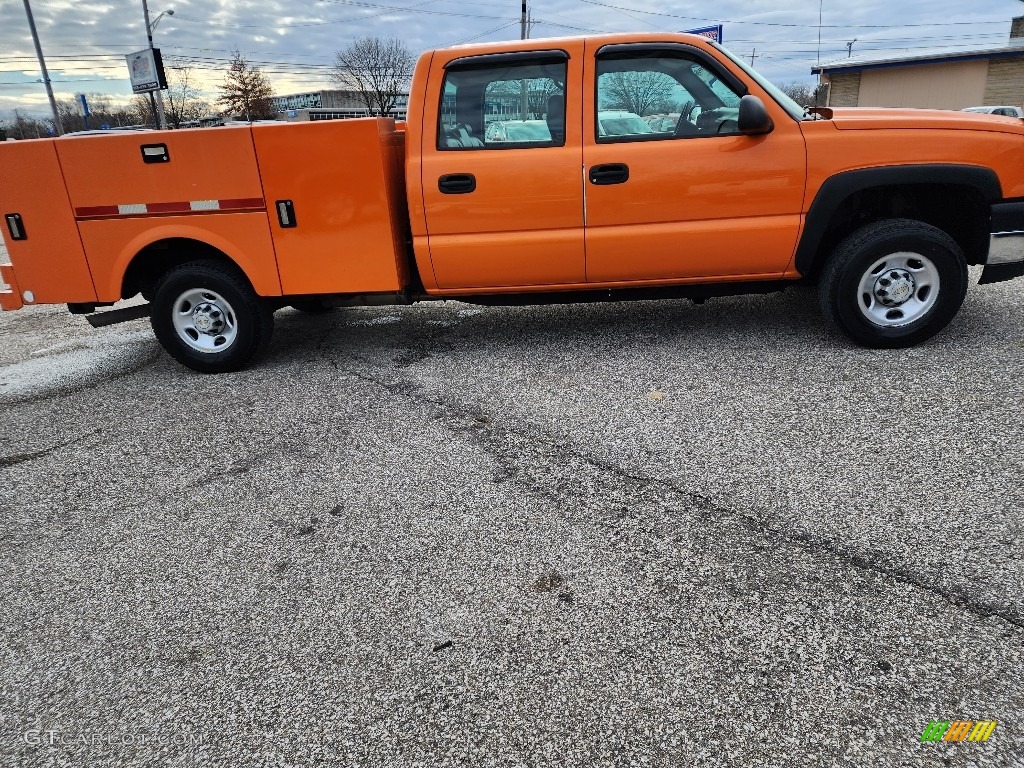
{"type": "Point", "coordinates": [155, 96]}
{"type": "Point", "coordinates": [46, 75]}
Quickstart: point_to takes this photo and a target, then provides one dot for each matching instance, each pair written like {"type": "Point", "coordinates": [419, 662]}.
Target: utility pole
{"type": "Point", "coordinates": [821, 8]}
{"type": "Point", "coordinates": [156, 98]}
{"type": "Point", "coordinates": [46, 75]}
{"type": "Point", "coordinates": [522, 22]}
{"type": "Point", "coordinates": [849, 47]}
{"type": "Point", "coordinates": [753, 55]}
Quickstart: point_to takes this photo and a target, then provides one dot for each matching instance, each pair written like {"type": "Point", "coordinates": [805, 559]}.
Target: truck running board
{"type": "Point", "coordinates": [114, 316]}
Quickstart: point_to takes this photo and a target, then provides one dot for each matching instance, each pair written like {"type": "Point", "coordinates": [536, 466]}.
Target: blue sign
{"type": "Point", "coordinates": [711, 33]}
{"type": "Point", "coordinates": [85, 105]}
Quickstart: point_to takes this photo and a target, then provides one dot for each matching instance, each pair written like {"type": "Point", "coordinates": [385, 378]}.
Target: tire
{"type": "Point", "coordinates": [206, 316]}
{"type": "Point", "coordinates": [313, 306]}
{"type": "Point", "coordinates": [894, 283]}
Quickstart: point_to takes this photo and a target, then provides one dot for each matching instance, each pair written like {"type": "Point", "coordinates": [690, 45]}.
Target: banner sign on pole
{"type": "Point", "coordinates": [146, 69]}
{"type": "Point", "coordinates": [711, 33]}
{"type": "Point", "coordinates": [83, 104]}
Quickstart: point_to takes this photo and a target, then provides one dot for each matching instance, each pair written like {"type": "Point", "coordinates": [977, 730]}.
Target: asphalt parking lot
{"type": "Point", "coordinates": [612, 535]}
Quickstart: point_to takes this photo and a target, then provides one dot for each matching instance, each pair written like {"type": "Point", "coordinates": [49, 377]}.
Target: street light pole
{"type": "Point", "coordinates": [46, 75]}
{"type": "Point", "coordinates": [155, 96]}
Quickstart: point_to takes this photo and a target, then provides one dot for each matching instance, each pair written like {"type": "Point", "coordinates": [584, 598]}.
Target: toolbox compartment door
{"type": "Point", "coordinates": [48, 257]}
{"type": "Point", "coordinates": [336, 203]}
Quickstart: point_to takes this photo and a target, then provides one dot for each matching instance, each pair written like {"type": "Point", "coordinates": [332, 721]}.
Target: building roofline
{"type": "Point", "coordinates": [889, 62]}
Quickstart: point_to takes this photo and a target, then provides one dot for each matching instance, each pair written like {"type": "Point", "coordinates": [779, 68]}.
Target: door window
{"type": "Point", "coordinates": [658, 96]}
{"type": "Point", "coordinates": [503, 107]}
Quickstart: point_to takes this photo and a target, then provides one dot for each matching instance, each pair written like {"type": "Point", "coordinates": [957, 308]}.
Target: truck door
{"type": "Point", "coordinates": [673, 190]}
{"type": "Point", "coordinates": [501, 164]}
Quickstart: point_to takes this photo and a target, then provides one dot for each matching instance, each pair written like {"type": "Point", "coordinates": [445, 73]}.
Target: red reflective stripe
{"type": "Point", "coordinates": [97, 210]}
{"type": "Point", "coordinates": [236, 204]}
{"type": "Point", "coordinates": [167, 207]}
{"type": "Point", "coordinates": [242, 202]}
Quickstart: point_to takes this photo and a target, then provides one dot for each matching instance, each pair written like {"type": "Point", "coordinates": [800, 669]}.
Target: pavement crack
{"type": "Point", "coordinates": [551, 450]}
{"type": "Point", "coordinates": [21, 458]}
{"type": "Point", "coordinates": [246, 464]}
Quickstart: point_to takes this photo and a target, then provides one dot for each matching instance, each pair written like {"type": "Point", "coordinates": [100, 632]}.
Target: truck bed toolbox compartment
{"type": "Point", "coordinates": [39, 229]}
{"type": "Point", "coordinates": [336, 201]}
{"type": "Point", "coordinates": [129, 190]}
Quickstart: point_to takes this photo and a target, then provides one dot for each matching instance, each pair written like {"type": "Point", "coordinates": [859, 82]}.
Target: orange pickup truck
{"type": "Point", "coordinates": [524, 174]}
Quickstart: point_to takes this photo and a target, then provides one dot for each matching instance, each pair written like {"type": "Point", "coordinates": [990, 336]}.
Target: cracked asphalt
{"type": "Point", "coordinates": [651, 534]}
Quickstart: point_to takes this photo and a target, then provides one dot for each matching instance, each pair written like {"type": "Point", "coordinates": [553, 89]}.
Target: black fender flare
{"type": "Point", "coordinates": [837, 189]}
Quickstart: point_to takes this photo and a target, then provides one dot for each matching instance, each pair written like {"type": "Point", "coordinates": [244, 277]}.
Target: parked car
{"type": "Point", "coordinates": [663, 123]}
{"type": "Point", "coordinates": [1004, 111]}
{"type": "Point", "coordinates": [621, 123]}
{"type": "Point", "coordinates": [517, 131]}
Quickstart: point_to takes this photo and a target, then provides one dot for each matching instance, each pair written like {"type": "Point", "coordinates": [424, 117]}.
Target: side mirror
{"type": "Point", "coordinates": [754, 119]}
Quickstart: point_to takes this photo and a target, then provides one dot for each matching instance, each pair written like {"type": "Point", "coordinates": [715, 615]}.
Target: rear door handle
{"type": "Point", "coordinates": [457, 183]}
{"type": "Point", "coordinates": [610, 173]}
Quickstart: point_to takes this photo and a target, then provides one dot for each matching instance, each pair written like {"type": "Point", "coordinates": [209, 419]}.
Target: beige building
{"type": "Point", "coordinates": [939, 79]}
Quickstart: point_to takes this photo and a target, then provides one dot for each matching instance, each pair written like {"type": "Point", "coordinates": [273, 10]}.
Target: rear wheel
{"type": "Point", "coordinates": [208, 317]}
{"type": "Point", "coordinates": [894, 283]}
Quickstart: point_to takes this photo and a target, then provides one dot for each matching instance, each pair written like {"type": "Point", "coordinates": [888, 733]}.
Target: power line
{"type": "Point", "coordinates": [791, 25]}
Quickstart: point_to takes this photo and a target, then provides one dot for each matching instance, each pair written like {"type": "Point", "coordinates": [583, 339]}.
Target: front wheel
{"type": "Point", "coordinates": [208, 317]}
{"type": "Point", "coordinates": [894, 283]}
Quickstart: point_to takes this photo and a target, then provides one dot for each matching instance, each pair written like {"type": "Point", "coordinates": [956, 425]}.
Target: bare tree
{"type": "Point", "coordinates": [70, 114]}
{"type": "Point", "coordinates": [183, 98]}
{"type": "Point", "coordinates": [140, 111]}
{"type": "Point", "coordinates": [378, 70]}
{"type": "Point", "coordinates": [21, 125]}
{"type": "Point", "coordinates": [805, 95]}
{"type": "Point", "coordinates": [246, 91]}
{"type": "Point", "coordinates": [103, 112]}
{"type": "Point", "coordinates": [642, 93]}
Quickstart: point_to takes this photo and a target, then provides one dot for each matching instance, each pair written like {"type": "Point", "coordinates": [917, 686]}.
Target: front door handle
{"type": "Point", "coordinates": [610, 173]}
{"type": "Point", "coordinates": [457, 183]}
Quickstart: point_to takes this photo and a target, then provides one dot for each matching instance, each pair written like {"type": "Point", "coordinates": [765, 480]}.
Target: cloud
{"type": "Point", "coordinates": [85, 42]}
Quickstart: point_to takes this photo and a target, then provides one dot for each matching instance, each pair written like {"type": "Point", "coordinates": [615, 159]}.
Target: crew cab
{"type": "Point", "coordinates": [749, 192]}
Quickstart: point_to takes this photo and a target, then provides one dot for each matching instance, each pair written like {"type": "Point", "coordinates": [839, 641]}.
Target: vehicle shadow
{"type": "Point", "coordinates": [429, 328]}
{"type": "Point", "coordinates": [759, 324]}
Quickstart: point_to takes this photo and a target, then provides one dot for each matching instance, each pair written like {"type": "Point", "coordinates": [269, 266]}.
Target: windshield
{"type": "Point", "coordinates": [794, 109]}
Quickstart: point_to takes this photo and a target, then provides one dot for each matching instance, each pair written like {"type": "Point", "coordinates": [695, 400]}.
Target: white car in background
{"type": "Point", "coordinates": [1003, 111]}
{"type": "Point", "coordinates": [517, 131]}
{"type": "Point", "coordinates": [621, 123]}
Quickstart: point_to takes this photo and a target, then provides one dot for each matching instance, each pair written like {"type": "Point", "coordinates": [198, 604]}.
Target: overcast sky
{"type": "Point", "coordinates": [85, 42]}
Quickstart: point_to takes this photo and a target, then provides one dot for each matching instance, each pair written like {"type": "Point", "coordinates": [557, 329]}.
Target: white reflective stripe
{"type": "Point", "coordinates": [127, 210]}
{"type": "Point", "coordinates": [204, 205]}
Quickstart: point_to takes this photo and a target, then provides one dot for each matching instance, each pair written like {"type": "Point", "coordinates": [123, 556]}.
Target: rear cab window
{"type": "Point", "coordinates": [504, 102]}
